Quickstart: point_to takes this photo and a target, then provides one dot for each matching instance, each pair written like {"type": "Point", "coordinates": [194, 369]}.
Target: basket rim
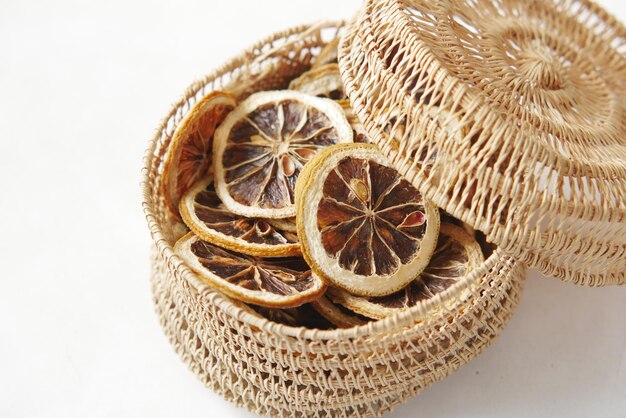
{"type": "Point", "coordinates": [174, 262]}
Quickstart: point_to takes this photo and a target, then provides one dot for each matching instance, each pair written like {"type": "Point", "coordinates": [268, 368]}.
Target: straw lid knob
{"type": "Point", "coordinates": [542, 67]}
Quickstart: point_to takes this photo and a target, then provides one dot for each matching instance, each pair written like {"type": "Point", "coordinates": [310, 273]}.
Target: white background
{"type": "Point", "coordinates": [82, 87]}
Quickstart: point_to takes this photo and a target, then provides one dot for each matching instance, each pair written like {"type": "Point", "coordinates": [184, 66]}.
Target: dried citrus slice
{"type": "Point", "coordinates": [361, 225]}
{"type": "Point", "coordinates": [337, 314]}
{"type": "Point", "coordinates": [271, 282]}
{"type": "Point", "coordinates": [328, 54]}
{"type": "Point", "coordinates": [359, 133]}
{"type": "Point", "coordinates": [447, 218]}
{"type": "Point", "coordinates": [262, 145]}
{"type": "Point", "coordinates": [457, 253]}
{"type": "Point", "coordinates": [324, 81]}
{"type": "Point", "coordinates": [301, 316]}
{"type": "Point", "coordinates": [206, 216]}
{"type": "Point", "coordinates": [286, 224]}
{"type": "Point", "coordinates": [188, 157]}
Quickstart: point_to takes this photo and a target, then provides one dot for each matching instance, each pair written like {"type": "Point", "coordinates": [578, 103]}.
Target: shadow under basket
{"type": "Point", "coordinates": [277, 370]}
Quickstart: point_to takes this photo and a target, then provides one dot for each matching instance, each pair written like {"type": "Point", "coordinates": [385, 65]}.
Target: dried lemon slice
{"type": "Point", "coordinates": [189, 156]}
{"type": "Point", "coordinates": [447, 218]}
{"type": "Point", "coordinates": [286, 224]}
{"type": "Point", "coordinates": [206, 216]}
{"type": "Point", "coordinates": [337, 314]}
{"type": "Point", "coordinates": [457, 253]}
{"type": "Point", "coordinates": [324, 81]}
{"type": "Point", "coordinates": [262, 145]}
{"type": "Point", "coordinates": [271, 282]}
{"type": "Point", "coordinates": [328, 54]}
{"type": "Point", "coordinates": [301, 316]}
{"type": "Point", "coordinates": [363, 227]}
{"type": "Point", "coordinates": [359, 133]}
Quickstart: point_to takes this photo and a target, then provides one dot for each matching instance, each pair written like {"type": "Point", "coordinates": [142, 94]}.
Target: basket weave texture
{"type": "Point", "coordinates": [277, 370]}
{"type": "Point", "coordinates": [509, 114]}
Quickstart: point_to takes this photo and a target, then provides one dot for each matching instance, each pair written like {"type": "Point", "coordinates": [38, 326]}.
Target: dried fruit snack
{"type": "Point", "coordinates": [270, 282]}
{"type": "Point", "coordinates": [337, 314]}
{"type": "Point", "coordinates": [457, 254]}
{"type": "Point", "coordinates": [263, 144]}
{"type": "Point", "coordinates": [359, 132]}
{"type": "Point", "coordinates": [206, 216]}
{"type": "Point", "coordinates": [284, 224]}
{"type": "Point", "coordinates": [361, 225]}
{"type": "Point", "coordinates": [189, 155]}
{"type": "Point", "coordinates": [328, 54]}
{"type": "Point", "coordinates": [301, 316]}
{"type": "Point", "coordinates": [324, 81]}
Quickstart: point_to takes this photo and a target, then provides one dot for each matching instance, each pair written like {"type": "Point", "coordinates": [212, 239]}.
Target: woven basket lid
{"type": "Point", "coordinates": [509, 114]}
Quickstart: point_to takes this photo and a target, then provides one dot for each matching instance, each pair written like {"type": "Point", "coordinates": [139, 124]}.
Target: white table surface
{"type": "Point", "coordinates": [82, 87]}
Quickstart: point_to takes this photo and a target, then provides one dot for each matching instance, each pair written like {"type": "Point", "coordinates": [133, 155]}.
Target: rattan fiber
{"type": "Point", "coordinates": [536, 157]}
{"type": "Point", "coordinates": [276, 370]}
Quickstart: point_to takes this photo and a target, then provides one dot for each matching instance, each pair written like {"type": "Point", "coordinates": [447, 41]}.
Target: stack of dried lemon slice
{"type": "Point", "coordinates": [283, 204]}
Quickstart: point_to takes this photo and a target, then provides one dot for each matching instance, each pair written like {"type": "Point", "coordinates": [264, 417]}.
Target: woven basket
{"type": "Point", "coordinates": [509, 114]}
{"type": "Point", "coordinates": [277, 370]}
